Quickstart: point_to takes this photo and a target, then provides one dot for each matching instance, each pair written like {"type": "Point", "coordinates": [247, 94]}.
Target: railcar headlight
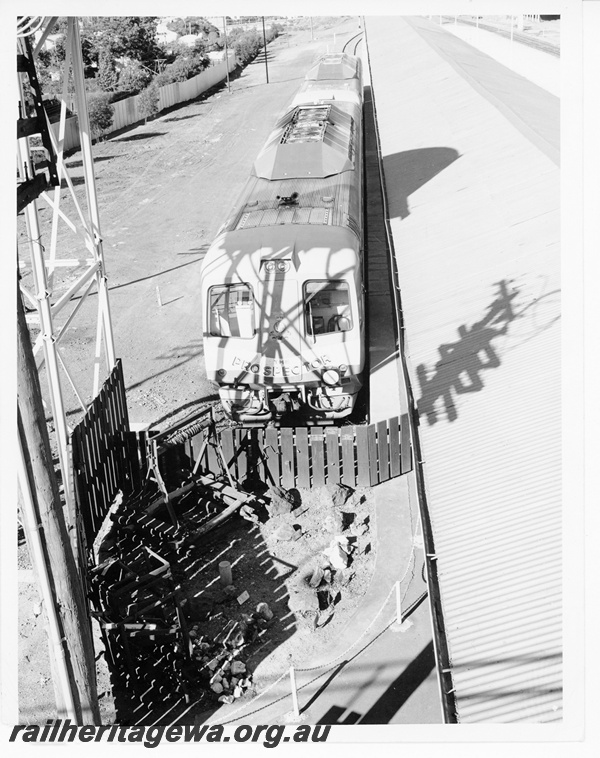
{"type": "Point", "coordinates": [221, 372]}
{"type": "Point", "coordinates": [270, 266]}
{"type": "Point", "coordinates": [331, 377]}
{"type": "Point", "coordinates": [282, 266]}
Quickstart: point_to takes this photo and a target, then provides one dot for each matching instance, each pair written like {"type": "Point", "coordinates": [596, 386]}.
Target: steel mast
{"type": "Point", "coordinates": [55, 286]}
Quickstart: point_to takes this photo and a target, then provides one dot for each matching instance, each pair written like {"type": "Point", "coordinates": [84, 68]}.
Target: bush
{"type": "Point", "coordinates": [148, 101]}
{"type": "Point", "coordinates": [107, 76]}
{"type": "Point", "coordinates": [247, 44]}
{"type": "Point", "coordinates": [182, 69]}
{"type": "Point", "coordinates": [100, 112]}
{"type": "Point", "coordinates": [134, 77]}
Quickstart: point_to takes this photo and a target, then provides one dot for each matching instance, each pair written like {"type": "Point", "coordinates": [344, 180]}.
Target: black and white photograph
{"type": "Point", "coordinates": [293, 447]}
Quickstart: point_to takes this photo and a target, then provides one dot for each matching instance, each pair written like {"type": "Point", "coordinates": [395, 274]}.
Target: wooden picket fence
{"type": "Point", "coordinates": [357, 456]}
{"type": "Point", "coordinates": [108, 457]}
{"type": "Point", "coordinates": [105, 456]}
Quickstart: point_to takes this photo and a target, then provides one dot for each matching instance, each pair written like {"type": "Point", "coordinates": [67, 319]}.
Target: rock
{"type": "Point", "coordinates": [333, 523]}
{"type": "Point", "coordinates": [237, 667]}
{"type": "Point", "coordinates": [264, 611]}
{"type": "Point", "coordinates": [212, 665]}
{"type": "Point", "coordinates": [225, 683]}
{"type": "Point", "coordinates": [237, 692]}
{"type": "Point", "coordinates": [281, 501]}
{"type": "Point", "coordinates": [217, 687]}
{"type": "Point", "coordinates": [339, 494]}
{"type": "Point", "coordinates": [346, 576]}
{"type": "Point", "coordinates": [359, 529]}
{"type": "Point", "coordinates": [234, 681]}
{"type": "Point", "coordinates": [337, 557]}
{"type": "Point", "coordinates": [226, 699]}
{"type": "Point", "coordinates": [193, 633]}
{"type": "Point", "coordinates": [327, 576]}
{"type": "Point", "coordinates": [285, 533]}
{"type": "Point", "coordinates": [316, 577]}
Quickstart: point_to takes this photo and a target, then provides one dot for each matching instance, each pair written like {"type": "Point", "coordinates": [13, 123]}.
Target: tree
{"type": "Point", "coordinates": [191, 25]}
{"type": "Point", "coordinates": [148, 101]}
{"type": "Point", "coordinates": [100, 112]}
{"type": "Point", "coordinates": [134, 77]}
{"type": "Point", "coordinates": [107, 74]}
{"type": "Point", "coordinates": [124, 36]}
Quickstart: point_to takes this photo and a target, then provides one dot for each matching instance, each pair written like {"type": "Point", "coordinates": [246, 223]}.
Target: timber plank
{"type": "Point", "coordinates": [228, 450]}
{"type": "Point", "coordinates": [317, 447]}
{"type": "Point", "coordinates": [383, 451]}
{"type": "Point", "coordinates": [197, 441]}
{"type": "Point", "coordinates": [302, 457]}
{"type": "Point", "coordinates": [395, 468]}
{"type": "Point", "coordinates": [373, 462]}
{"type": "Point", "coordinates": [348, 468]}
{"type": "Point", "coordinates": [405, 450]}
{"type": "Point", "coordinates": [241, 444]}
{"type": "Point", "coordinates": [288, 469]}
{"type": "Point", "coordinates": [272, 453]}
{"type": "Point", "coordinates": [332, 441]}
{"type": "Point", "coordinates": [257, 465]}
{"type": "Point", "coordinates": [362, 455]}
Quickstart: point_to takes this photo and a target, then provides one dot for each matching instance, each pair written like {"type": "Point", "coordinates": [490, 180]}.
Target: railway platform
{"type": "Point", "coordinates": [470, 157]}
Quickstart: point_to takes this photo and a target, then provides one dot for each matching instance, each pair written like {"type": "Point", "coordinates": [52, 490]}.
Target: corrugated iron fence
{"type": "Point", "coordinates": [309, 457]}
{"type": "Point", "coordinates": [105, 455]}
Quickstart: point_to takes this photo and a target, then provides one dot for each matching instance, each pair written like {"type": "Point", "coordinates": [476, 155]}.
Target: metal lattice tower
{"type": "Point", "coordinates": [54, 288]}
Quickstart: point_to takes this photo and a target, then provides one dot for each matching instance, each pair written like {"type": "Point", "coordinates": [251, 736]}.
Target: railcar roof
{"type": "Point", "coordinates": [314, 251]}
{"type": "Point", "coordinates": [329, 89]}
{"type": "Point", "coordinates": [335, 66]}
{"type": "Point", "coordinates": [315, 140]}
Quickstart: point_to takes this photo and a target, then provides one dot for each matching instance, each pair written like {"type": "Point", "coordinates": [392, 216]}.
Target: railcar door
{"type": "Point", "coordinates": [280, 323]}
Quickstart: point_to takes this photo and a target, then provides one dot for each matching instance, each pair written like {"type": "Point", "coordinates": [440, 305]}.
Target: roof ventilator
{"type": "Point", "coordinates": [308, 124]}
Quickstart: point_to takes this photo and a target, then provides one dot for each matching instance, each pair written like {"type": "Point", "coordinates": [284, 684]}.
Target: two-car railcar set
{"type": "Point", "coordinates": [282, 284]}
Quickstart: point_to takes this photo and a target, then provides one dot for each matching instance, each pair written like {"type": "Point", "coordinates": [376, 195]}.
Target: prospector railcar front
{"type": "Point", "coordinates": [282, 283]}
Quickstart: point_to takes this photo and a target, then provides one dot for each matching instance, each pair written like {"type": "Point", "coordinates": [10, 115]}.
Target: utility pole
{"type": "Point", "coordinates": [71, 645]}
{"type": "Point", "coordinates": [265, 45]}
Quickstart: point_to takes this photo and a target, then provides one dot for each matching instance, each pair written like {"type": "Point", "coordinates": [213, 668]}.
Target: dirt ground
{"type": "Point", "coordinates": [163, 189]}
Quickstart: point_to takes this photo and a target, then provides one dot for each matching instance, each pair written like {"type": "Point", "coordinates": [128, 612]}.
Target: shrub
{"type": "Point", "coordinates": [107, 76]}
{"type": "Point", "coordinates": [247, 45]}
{"type": "Point", "coordinates": [100, 112]}
{"type": "Point", "coordinates": [134, 77]}
{"type": "Point", "coordinates": [182, 69]}
{"type": "Point", "coordinates": [148, 101]}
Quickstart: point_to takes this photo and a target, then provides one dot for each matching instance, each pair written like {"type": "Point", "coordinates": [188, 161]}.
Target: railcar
{"type": "Point", "coordinates": [282, 283]}
{"type": "Point", "coordinates": [334, 77]}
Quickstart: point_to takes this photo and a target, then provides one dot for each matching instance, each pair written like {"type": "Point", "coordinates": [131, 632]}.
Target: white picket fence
{"type": "Point", "coordinates": [127, 111]}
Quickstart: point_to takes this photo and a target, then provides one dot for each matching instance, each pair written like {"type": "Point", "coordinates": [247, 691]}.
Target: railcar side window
{"type": "Point", "coordinates": [327, 307]}
{"type": "Point", "coordinates": [231, 311]}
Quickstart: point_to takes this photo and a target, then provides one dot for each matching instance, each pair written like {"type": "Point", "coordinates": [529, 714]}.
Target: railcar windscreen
{"type": "Point", "coordinates": [327, 307]}
{"type": "Point", "coordinates": [231, 310]}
